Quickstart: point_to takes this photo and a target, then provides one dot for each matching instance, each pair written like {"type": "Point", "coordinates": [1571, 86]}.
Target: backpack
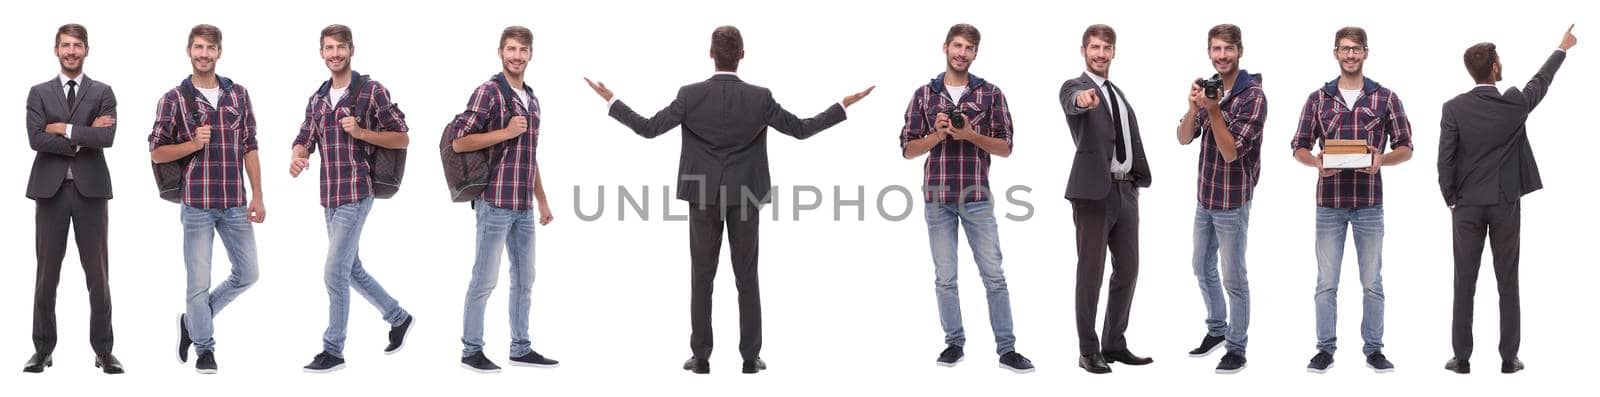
{"type": "Point", "coordinates": [169, 175]}
{"type": "Point", "coordinates": [386, 167]}
{"type": "Point", "coordinates": [467, 174]}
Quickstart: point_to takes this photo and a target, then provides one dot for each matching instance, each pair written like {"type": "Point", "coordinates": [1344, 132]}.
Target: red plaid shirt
{"type": "Point", "coordinates": [956, 166]}
{"type": "Point", "coordinates": [1376, 117]}
{"type": "Point", "coordinates": [1225, 185]}
{"type": "Point", "coordinates": [345, 173]}
{"type": "Point", "coordinates": [215, 176]}
{"type": "Point", "coordinates": [511, 182]}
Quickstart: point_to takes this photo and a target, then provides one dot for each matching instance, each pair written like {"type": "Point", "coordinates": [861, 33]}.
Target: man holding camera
{"type": "Point", "coordinates": [1350, 196]}
{"type": "Point", "coordinates": [960, 120]}
{"type": "Point", "coordinates": [1226, 112]}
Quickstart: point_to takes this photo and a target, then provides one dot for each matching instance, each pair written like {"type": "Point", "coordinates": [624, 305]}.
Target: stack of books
{"type": "Point", "coordinates": [1345, 153]}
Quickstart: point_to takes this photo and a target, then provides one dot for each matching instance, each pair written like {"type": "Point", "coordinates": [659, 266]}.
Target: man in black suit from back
{"type": "Point", "coordinates": [722, 173]}
{"type": "Point", "coordinates": [1485, 167]}
{"type": "Point", "coordinates": [71, 119]}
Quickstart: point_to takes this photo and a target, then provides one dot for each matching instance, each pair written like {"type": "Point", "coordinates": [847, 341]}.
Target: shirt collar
{"type": "Point", "coordinates": [1098, 81]}
{"type": "Point", "coordinates": [64, 79]}
{"type": "Point", "coordinates": [734, 74]}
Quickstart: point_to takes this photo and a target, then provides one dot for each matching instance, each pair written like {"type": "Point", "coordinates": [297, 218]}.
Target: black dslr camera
{"type": "Point", "coordinates": [1212, 87]}
{"type": "Point", "coordinates": [957, 117]}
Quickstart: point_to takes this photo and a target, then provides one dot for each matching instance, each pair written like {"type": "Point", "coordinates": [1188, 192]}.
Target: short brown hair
{"type": "Point", "coordinates": [1480, 59]}
{"type": "Point", "coordinates": [1102, 31]}
{"type": "Point", "coordinates": [966, 31]}
{"type": "Point", "coordinates": [518, 33]}
{"type": "Point", "coordinates": [75, 31]}
{"type": "Point", "coordinates": [208, 32]}
{"type": "Point", "coordinates": [1353, 33]}
{"type": "Point", "coordinates": [339, 33]}
{"type": "Point", "coordinates": [1228, 33]}
{"type": "Point", "coordinates": [727, 46]}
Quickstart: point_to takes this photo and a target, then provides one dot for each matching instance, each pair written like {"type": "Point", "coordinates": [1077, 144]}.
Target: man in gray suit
{"type": "Point", "coordinates": [70, 120]}
{"type": "Point", "coordinates": [1485, 167]}
{"type": "Point", "coordinates": [722, 173]}
{"type": "Point", "coordinates": [1107, 172]}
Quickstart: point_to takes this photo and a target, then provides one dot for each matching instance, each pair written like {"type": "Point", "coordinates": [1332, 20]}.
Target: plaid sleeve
{"type": "Point", "coordinates": [308, 136]}
{"type": "Point", "coordinates": [1246, 121]}
{"type": "Point", "coordinates": [387, 113]}
{"type": "Point", "coordinates": [247, 141]}
{"type": "Point", "coordinates": [1306, 136]}
{"type": "Point", "coordinates": [477, 116]}
{"type": "Point", "coordinates": [916, 126]}
{"type": "Point", "coordinates": [163, 132]}
{"type": "Point", "coordinates": [1399, 125]}
{"type": "Point", "coordinates": [1000, 118]}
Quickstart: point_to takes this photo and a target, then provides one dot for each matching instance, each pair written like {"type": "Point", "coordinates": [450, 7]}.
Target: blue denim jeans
{"type": "Point", "coordinates": [202, 303]}
{"type": "Point", "coordinates": [1331, 226]}
{"type": "Point", "coordinates": [984, 237]}
{"type": "Point", "coordinates": [343, 270]}
{"type": "Point", "coordinates": [1220, 237]}
{"type": "Point", "coordinates": [512, 231]}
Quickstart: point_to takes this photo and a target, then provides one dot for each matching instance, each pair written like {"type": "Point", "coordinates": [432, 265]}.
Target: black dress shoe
{"type": "Point", "coordinates": [1126, 357]}
{"type": "Point", "coordinates": [37, 363]}
{"type": "Point", "coordinates": [697, 365]}
{"type": "Point", "coordinates": [1094, 363]}
{"type": "Point", "coordinates": [1458, 366]}
{"type": "Point", "coordinates": [108, 363]}
{"type": "Point", "coordinates": [1511, 366]}
{"type": "Point", "coordinates": [754, 366]}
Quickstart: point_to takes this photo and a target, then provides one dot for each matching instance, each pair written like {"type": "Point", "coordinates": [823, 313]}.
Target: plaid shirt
{"type": "Point", "coordinates": [511, 181]}
{"type": "Point", "coordinates": [215, 176]}
{"type": "Point", "coordinates": [1375, 117]}
{"type": "Point", "coordinates": [1225, 185]}
{"type": "Point", "coordinates": [345, 172]}
{"type": "Point", "coordinates": [954, 166]}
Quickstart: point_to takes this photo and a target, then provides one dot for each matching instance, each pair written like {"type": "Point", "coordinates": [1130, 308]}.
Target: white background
{"type": "Point", "coordinates": [849, 305]}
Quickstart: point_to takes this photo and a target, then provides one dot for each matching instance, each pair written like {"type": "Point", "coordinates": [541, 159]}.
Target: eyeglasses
{"type": "Point", "coordinates": [1351, 49]}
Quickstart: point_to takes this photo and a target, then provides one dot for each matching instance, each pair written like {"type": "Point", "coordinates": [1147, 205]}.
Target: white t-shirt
{"type": "Point", "coordinates": [1350, 97]}
{"type": "Point", "coordinates": [956, 92]}
{"type": "Point", "coordinates": [523, 95]}
{"type": "Point", "coordinates": [336, 94]}
{"type": "Point", "coordinates": [212, 95]}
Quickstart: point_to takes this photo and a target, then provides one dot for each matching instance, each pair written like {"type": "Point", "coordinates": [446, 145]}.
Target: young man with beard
{"type": "Point", "coordinates": [505, 210]}
{"type": "Point", "coordinates": [960, 120]}
{"type": "Point", "coordinates": [209, 120]}
{"type": "Point", "coordinates": [348, 125]}
{"type": "Point", "coordinates": [1228, 121]}
{"type": "Point", "coordinates": [1351, 107]}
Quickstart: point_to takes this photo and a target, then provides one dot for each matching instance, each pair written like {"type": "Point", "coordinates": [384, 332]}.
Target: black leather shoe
{"type": "Point", "coordinates": [1126, 357]}
{"type": "Point", "coordinates": [1458, 366]}
{"type": "Point", "coordinates": [697, 365]}
{"type": "Point", "coordinates": [1511, 366]}
{"type": "Point", "coordinates": [37, 363]}
{"type": "Point", "coordinates": [754, 366]}
{"type": "Point", "coordinates": [1094, 363]}
{"type": "Point", "coordinates": [108, 363]}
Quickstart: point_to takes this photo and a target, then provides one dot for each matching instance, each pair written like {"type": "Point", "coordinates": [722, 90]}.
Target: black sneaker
{"type": "Point", "coordinates": [397, 336]}
{"type": "Point", "coordinates": [950, 356]}
{"type": "Point", "coordinates": [533, 359]}
{"type": "Point", "coordinates": [1379, 363]}
{"type": "Point", "coordinates": [1320, 363]}
{"type": "Point", "coordinates": [480, 364]}
{"type": "Point", "coordinates": [325, 363]}
{"type": "Point", "coordinates": [206, 363]}
{"type": "Point", "coordinates": [183, 340]}
{"type": "Point", "coordinates": [1016, 363]}
{"type": "Point", "coordinates": [1207, 346]}
{"type": "Point", "coordinates": [1231, 363]}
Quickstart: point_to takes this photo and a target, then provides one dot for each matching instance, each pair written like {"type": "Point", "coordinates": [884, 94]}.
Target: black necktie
{"type": "Point", "coordinates": [1116, 122]}
{"type": "Point", "coordinates": [72, 93]}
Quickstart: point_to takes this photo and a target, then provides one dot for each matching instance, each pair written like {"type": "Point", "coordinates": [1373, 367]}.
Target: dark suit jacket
{"type": "Point", "coordinates": [47, 103]}
{"type": "Point", "coordinates": [1094, 134]}
{"type": "Point", "coordinates": [1484, 155]}
{"type": "Point", "coordinates": [725, 124]}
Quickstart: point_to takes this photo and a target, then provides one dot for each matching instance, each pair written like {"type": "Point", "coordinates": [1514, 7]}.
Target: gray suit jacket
{"type": "Point", "coordinates": [1094, 134]}
{"type": "Point", "coordinates": [1484, 154]}
{"type": "Point", "coordinates": [724, 154]}
{"type": "Point", "coordinates": [47, 103]}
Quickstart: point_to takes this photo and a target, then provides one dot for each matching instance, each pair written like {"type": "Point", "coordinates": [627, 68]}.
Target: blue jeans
{"type": "Point", "coordinates": [1368, 225]}
{"type": "Point", "coordinates": [343, 269]}
{"type": "Point", "coordinates": [1220, 237]}
{"type": "Point", "coordinates": [202, 303]}
{"type": "Point", "coordinates": [983, 236]}
{"type": "Point", "coordinates": [512, 231]}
